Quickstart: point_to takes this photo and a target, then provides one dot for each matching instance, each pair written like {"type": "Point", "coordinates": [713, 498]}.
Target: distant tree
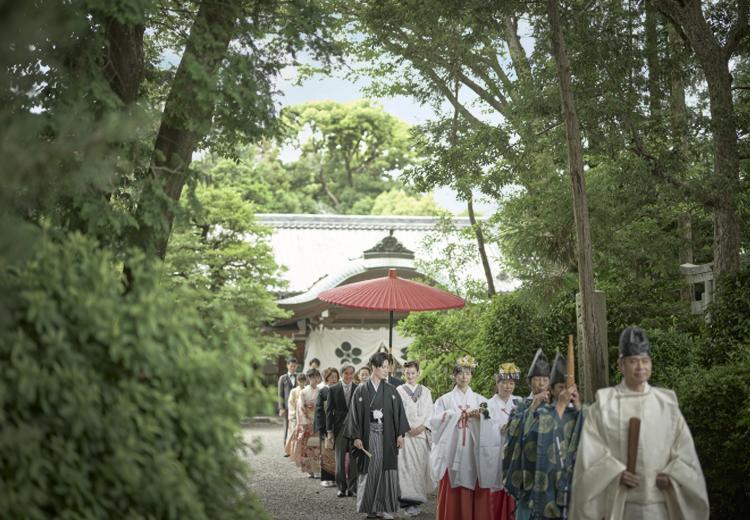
{"type": "Point", "coordinates": [398, 202]}
{"type": "Point", "coordinates": [350, 150]}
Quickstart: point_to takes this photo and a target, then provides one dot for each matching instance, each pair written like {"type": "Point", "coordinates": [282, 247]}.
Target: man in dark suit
{"type": "Point", "coordinates": [393, 380]}
{"type": "Point", "coordinates": [339, 398]}
{"type": "Point", "coordinates": [286, 383]}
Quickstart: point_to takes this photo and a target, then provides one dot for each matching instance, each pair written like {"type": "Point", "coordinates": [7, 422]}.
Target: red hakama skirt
{"type": "Point", "coordinates": [503, 506]}
{"type": "Point", "coordinates": [460, 503]}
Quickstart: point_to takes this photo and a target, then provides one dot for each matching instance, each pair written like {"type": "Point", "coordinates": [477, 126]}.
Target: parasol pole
{"type": "Point", "coordinates": [390, 333]}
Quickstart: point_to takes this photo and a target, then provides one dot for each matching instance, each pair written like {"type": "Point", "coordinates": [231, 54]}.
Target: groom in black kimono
{"type": "Point", "coordinates": [377, 424]}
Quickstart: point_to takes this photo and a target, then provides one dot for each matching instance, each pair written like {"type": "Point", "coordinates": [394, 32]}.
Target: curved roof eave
{"type": "Point", "coordinates": [339, 278]}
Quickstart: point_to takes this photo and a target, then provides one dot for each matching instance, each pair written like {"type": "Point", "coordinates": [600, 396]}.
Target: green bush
{"type": "Point", "coordinates": [714, 402]}
{"type": "Point", "coordinates": [439, 339]}
{"type": "Point", "coordinates": [513, 329]}
{"type": "Point", "coordinates": [118, 403]}
{"type": "Point", "coordinates": [673, 353]}
{"type": "Point", "coordinates": [506, 328]}
{"type": "Point", "coordinates": [729, 326]}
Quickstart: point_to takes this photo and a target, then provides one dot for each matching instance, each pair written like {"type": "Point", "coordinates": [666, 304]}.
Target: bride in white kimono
{"type": "Point", "coordinates": [414, 458]}
{"type": "Point", "coordinates": [467, 450]}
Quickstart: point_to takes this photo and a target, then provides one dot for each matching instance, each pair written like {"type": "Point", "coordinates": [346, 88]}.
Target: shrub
{"type": "Point", "coordinates": [114, 403]}
{"type": "Point", "coordinates": [514, 328]}
{"type": "Point", "coordinates": [673, 353]}
{"type": "Point", "coordinates": [714, 402]}
{"type": "Point", "coordinates": [729, 325]}
{"type": "Point", "coordinates": [506, 328]}
{"type": "Point", "coordinates": [439, 339]}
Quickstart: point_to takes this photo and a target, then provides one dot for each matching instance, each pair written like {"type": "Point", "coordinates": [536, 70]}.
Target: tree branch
{"type": "Point", "coordinates": [516, 50]}
{"type": "Point", "coordinates": [740, 29]}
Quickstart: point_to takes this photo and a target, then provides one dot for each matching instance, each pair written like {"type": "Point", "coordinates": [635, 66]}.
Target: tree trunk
{"type": "Point", "coordinates": [726, 247]}
{"type": "Point", "coordinates": [185, 121]}
{"type": "Point", "coordinates": [713, 59]}
{"type": "Point", "coordinates": [595, 353]}
{"type": "Point", "coordinates": [482, 249]}
{"type": "Point", "coordinates": [652, 60]}
{"type": "Point", "coordinates": [679, 124]}
{"type": "Point", "coordinates": [123, 63]}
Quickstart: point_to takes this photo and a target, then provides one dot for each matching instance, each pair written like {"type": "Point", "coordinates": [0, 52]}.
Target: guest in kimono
{"type": "Point", "coordinates": [465, 453]}
{"type": "Point", "coordinates": [501, 406]}
{"type": "Point", "coordinates": [307, 453]}
{"type": "Point", "coordinates": [377, 424]}
{"type": "Point", "coordinates": [291, 442]}
{"type": "Point", "coordinates": [668, 482]}
{"type": "Point", "coordinates": [327, 457]}
{"type": "Point", "coordinates": [414, 458]}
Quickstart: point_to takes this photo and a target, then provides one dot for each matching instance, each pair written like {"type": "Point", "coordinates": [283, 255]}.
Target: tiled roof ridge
{"type": "Point", "coordinates": [364, 222]}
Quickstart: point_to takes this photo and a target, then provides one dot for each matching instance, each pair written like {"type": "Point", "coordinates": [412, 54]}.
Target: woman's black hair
{"type": "Point", "coordinates": [458, 368]}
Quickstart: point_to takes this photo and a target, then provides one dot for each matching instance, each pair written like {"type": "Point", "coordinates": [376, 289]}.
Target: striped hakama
{"type": "Point", "coordinates": [377, 490]}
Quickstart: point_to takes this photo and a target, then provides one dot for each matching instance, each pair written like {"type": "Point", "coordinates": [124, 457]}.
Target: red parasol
{"type": "Point", "coordinates": [391, 294]}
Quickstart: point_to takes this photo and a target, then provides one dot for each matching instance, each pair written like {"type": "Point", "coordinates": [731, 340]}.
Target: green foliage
{"type": "Point", "coordinates": [117, 401]}
{"type": "Point", "coordinates": [398, 202]}
{"type": "Point", "coordinates": [714, 401]}
{"type": "Point", "coordinates": [507, 328]}
{"type": "Point", "coordinates": [220, 252]}
{"type": "Point", "coordinates": [349, 155]}
{"type": "Point", "coordinates": [673, 353]}
{"type": "Point", "coordinates": [352, 151]}
{"type": "Point", "coordinates": [261, 178]}
{"type": "Point", "coordinates": [439, 339]}
{"type": "Point", "coordinates": [457, 254]}
{"type": "Point", "coordinates": [729, 325]}
{"type": "Point", "coordinates": [513, 328]}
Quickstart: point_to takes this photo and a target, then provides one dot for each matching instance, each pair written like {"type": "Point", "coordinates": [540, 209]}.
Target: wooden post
{"type": "Point", "coordinates": [570, 378]}
{"type": "Point", "coordinates": [593, 363]}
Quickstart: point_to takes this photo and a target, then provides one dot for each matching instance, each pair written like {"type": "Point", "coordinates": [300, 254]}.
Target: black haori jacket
{"type": "Point", "coordinates": [386, 399]}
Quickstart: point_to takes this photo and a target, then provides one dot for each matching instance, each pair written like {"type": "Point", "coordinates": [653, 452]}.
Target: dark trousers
{"type": "Point", "coordinates": [344, 482]}
{"type": "Point", "coordinates": [286, 426]}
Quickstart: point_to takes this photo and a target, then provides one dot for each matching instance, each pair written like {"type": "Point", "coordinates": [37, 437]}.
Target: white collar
{"type": "Point", "coordinates": [623, 388]}
{"type": "Point", "coordinates": [510, 399]}
{"type": "Point", "coordinates": [461, 398]}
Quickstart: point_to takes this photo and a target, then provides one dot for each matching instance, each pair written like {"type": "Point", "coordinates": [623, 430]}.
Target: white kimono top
{"type": "Point", "coordinates": [502, 409]}
{"type": "Point", "coordinates": [470, 450]}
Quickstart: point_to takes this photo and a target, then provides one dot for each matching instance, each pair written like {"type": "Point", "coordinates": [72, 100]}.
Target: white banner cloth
{"type": "Point", "coordinates": [337, 347]}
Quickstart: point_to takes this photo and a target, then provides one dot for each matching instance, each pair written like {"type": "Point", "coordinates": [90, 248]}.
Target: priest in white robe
{"type": "Point", "coordinates": [668, 482]}
{"type": "Point", "coordinates": [414, 458]}
{"type": "Point", "coordinates": [466, 451]}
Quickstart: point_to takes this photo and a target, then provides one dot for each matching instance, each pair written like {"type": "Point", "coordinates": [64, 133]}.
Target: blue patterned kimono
{"type": "Point", "coordinates": [539, 457]}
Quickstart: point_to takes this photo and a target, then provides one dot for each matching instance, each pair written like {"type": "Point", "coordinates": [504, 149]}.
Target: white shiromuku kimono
{"type": "Point", "coordinates": [665, 446]}
{"type": "Point", "coordinates": [414, 458]}
{"type": "Point", "coordinates": [470, 451]}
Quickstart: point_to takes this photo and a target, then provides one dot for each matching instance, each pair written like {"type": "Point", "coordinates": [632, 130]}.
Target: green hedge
{"type": "Point", "coordinates": [714, 402]}
{"type": "Point", "coordinates": [117, 404]}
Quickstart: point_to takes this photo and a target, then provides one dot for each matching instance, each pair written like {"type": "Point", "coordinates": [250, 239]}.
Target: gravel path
{"type": "Point", "coordinates": [287, 493]}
